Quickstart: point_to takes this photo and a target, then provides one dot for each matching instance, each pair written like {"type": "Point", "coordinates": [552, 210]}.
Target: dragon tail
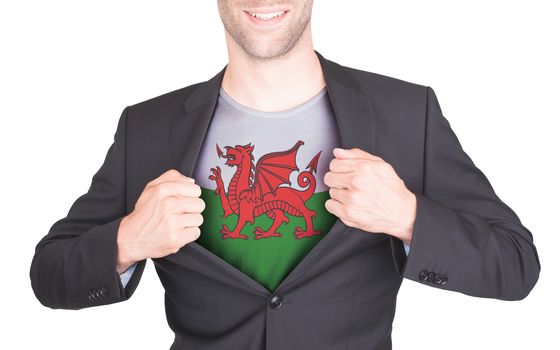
{"type": "Point", "coordinates": [306, 178]}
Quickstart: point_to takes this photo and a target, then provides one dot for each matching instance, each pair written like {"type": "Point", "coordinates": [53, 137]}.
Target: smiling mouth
{"type": "Point", "coordinates": [266, 19]}
{"type": "Point", "coordinates": [267, 16]}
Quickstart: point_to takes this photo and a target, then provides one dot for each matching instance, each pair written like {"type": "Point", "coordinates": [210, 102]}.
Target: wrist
{"type": "Point", "coordinates": [124, 257]}
{"type": "Point", "coordinates": [405, 227]}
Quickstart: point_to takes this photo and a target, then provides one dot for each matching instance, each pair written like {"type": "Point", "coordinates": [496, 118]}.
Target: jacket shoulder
{"type": "Point", "coordinates": [162, 107]}
{"type": "Point", "coordinates": [399, 101]}
{"type": "Point", "coordinates": [385, 86]}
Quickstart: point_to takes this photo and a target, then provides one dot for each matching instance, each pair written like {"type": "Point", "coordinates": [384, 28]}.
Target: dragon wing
{"type": "Point", "coordinates": [272, 170]}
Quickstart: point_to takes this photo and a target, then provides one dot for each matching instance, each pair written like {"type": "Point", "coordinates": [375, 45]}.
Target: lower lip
{"type": "Point", "coordinates": [266, 22]}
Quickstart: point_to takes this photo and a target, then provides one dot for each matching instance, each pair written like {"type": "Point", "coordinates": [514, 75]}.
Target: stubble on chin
{"type": "Point", "coordinates": [283, 44]}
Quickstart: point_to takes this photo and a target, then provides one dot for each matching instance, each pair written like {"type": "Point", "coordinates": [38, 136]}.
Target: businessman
{"type": "Point", "coordinates": [283, 201]}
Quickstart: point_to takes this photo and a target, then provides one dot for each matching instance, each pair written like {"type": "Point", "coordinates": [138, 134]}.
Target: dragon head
{"type": "Point", "coordinates": [235, 155]}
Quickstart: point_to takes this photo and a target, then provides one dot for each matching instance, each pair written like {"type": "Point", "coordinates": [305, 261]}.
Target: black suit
{"type": "Point", "coordinates": [342, 294]}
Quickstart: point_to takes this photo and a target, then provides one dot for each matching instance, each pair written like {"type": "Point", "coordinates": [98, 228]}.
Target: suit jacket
{"type": "Point", "coordinates": [342, 295]}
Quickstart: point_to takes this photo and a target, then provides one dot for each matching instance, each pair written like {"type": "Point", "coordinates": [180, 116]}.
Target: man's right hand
{"type": "Point", "coordinates": [166, 216]}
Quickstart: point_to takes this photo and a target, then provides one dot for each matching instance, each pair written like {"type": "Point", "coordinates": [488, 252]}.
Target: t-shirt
{"type": "Point", "coordinates": [261, 175]}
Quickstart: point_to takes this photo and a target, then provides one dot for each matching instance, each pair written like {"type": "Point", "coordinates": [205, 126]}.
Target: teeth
{"type": "Point", "coordinates": [267, 16]}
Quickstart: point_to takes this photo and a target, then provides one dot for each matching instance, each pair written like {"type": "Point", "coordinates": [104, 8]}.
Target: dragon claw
{"type": "Point", "coordinates": [216, 171]}
{"type": "Point", "coordinates": [259, 233]}
{"type": "Point", "coordinates": [216, 176]}
{"type": "Point", "coordinates": [300, 233]}
{"type": "Point", "coordinates": [226, 233]}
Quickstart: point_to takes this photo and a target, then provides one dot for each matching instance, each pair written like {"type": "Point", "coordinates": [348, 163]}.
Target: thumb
{"type": "Point", "coordinates": [353, 153]}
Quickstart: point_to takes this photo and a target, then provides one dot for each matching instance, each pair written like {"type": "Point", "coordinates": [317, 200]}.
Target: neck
{"type": "Point", "coordinates": [273, 85]}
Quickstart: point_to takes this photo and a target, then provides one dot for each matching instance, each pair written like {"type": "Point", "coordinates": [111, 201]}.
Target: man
{"type": "Point", "coordinates": [299, 240]}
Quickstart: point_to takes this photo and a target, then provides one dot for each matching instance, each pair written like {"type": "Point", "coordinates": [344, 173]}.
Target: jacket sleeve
{"type": "Point", "coordinates": [74, 265]}
{"type": "Point", "coordinates": [465, 239]}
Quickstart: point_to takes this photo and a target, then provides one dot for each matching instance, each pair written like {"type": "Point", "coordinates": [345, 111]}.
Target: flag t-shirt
{"type": "Point", "coordinates": [261, 175]}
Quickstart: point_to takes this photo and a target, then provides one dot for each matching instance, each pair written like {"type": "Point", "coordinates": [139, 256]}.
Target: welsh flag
{"type": "Point", "coordinates": [260, 222]}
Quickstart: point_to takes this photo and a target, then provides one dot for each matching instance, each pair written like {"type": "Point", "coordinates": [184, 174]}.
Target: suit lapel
{"type": "Point", "coordinates": [356, 124]}
{"type": "Point", "coordinates": [189, 129]}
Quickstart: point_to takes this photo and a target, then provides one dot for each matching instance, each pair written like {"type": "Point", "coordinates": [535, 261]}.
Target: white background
{"type": "Point", "coordinates": [68, 68]}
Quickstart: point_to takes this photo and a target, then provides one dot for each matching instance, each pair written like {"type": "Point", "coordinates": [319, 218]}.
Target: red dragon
{"type": "Point", "coordinates": [251, 194]}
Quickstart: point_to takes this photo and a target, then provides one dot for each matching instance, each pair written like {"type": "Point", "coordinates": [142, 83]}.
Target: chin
{"type": "Point", "coordinates": [266, 52]}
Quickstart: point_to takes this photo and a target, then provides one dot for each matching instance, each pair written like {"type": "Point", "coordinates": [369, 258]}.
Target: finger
{"type": "Point", "coordinates": [354, 153]}
{"type": "Point", "coordinates": [335, 207]}
{"type": "Point", "coordinates": [178, 188]}
{"type": "Point", "coordinates": [339, 165]}
{"type": "Point", "coordinates": [337, 180]}
{"type": "Point", "coordinates": [190, 234]}
{"type": "Point", "coordinates": [348, 222]}
{"type": "Point", "coordinates": [341, 195]}
{"type": "Point", "coordinates": [189, 220]}
{"type": "Point", "coordinates": [183, 205]}
{"type": "Point", "coordinates": [170, 175]}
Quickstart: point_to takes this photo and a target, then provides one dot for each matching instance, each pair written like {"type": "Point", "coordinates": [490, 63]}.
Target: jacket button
{"type": "Point", "coordinates": [431, 276]}
{"type": "Point", "coordinates": [275, 302]}
{"type": "Point", "coordinates": [443, 280]}
{"type": "Point", "coordinates": [437, 279]}
{"type": "Point", "coordinates": [104, 291]}
{"type": "Point", "coordinates": [423, 275]}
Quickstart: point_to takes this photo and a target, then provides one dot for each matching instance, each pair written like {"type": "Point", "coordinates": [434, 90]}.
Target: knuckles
{"type": "Point", "coordinates": [353, 197]}
{"type": "Point", "coordinates": [160, 191]}
{"type": "Point", "coordinates": [362, 167]}
{"type": "Point", "coordinates": [351, 215]}
{"type": "Point", "coordinates": [355, 182]}
{"type": "Point", "coordinates": [172, 173]}
{"type": "Point", "coordinates": [168, 203]}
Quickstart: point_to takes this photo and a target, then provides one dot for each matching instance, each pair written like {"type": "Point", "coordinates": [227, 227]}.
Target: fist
{"type": "Point", "coordinates": [367, 193]}
{"type": "Point", "coordinates": [166, 216]}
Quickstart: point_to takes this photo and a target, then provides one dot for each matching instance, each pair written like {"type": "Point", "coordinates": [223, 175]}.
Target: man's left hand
{"type": "Point", "coordinates": [366, 193]}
